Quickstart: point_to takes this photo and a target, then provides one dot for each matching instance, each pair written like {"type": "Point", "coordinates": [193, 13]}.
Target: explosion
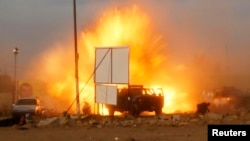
{"type": "Point", "coordinates": [116, 27]}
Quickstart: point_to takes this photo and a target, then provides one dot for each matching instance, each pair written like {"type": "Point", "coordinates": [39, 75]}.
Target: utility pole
{"type": "Point", "coordinates": [15, 51]}
{"type": "Point", "coordinates": [76, 61]}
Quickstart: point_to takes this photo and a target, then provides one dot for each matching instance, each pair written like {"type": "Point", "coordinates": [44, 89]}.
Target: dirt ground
{"type": "Point", "coordinates": [183, 127]}
{"type": "Point", "coordinates": [81, 133]}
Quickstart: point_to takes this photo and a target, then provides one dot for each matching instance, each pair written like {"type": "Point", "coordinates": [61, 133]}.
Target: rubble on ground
{"type": "Point", "coordinates": [174, 120]}
{"type": "Point", "coordinates": [53, 121]}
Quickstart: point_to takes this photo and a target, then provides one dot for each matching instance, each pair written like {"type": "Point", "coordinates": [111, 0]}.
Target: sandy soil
{"type": "Point", "coordinates": [184, 127]}
{"type": "Point", "coordinates": [81, 133]}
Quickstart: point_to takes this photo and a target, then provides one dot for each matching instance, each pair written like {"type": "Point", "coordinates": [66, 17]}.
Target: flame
{"type": "Point", "coordinates": [116, 27]}
{"type": "Point", "coordinates": [131, 27]}
{"type": "Point", "coordinates": [103, 110]}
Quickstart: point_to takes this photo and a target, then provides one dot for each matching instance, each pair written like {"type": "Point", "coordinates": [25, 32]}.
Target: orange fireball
{"type": "Point", "coordinates": [130, 27]}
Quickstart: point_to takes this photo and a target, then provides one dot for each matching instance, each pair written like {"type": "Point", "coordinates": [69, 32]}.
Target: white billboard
{"type": "Point", "coordinates": [112, 65]}
{"type": "Point", "coordinates": [106, 94]}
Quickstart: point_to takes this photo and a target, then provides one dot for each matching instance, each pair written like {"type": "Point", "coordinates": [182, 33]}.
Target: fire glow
{"type": "Point", "coordinates": [117, 27]}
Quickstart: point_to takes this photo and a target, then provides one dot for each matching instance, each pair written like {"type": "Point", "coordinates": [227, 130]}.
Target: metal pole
{"type": "Point", "coordinates": [76, 61]}
{"type": "Point", "coordinates": [15, 51]}
{"type": "Point", "coordinates": [15, 87]}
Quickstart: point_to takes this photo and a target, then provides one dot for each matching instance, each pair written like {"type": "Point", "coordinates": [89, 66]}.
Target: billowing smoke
{"type": "Point", "coordinates": [203, 49]}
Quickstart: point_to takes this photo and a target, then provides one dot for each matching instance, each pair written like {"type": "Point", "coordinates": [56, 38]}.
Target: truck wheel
{"type": "Point", "coordinates": [135, 110]}
{"type": "Point", "coordinates": [158, 111]}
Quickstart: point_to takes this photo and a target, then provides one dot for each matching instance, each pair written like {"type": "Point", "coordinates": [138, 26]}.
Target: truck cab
{"type": "Point", "coordinates": [135, 99]}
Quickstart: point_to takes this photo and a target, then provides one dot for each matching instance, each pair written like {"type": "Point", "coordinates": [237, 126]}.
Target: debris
{"type": "Point", "coordinates": [202, 108]}
{"type": "Point", "coordinates": [64, 119]}
{"type": "Point", "coordinates": [93, 122]}
{"type": "Point", "coordinates": [86, 109]}
{"type": "Point", "coordinates": [183, 123]}
{"type": "Point", "coordinates": [176, 118]}
{"type": "Point", "coordinates": [230, 118]}
{"type": "Point", "coordinates": [152, 121]}
{"type": "Point", "coordinates": [49, 122]}
{"type": "Point", "coordinates": [245, 117]}
{"type": "Point", "coordinates": [29, 125]}
{"type": "Point", "coordinates": [213, 116]}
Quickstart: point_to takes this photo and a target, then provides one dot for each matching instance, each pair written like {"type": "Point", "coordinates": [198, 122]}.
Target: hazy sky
{"type": "Point", "coordinates": [193, 28]}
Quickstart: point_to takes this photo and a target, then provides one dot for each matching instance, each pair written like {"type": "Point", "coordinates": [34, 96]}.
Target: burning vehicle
{"type": "Point", "coordinates": [229, 99]}
{"type": "Point", "coordinates": [136, 99]}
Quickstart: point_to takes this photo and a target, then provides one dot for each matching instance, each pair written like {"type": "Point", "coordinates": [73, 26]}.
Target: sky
{"type": "Point", "coordinates": [195, 30]}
